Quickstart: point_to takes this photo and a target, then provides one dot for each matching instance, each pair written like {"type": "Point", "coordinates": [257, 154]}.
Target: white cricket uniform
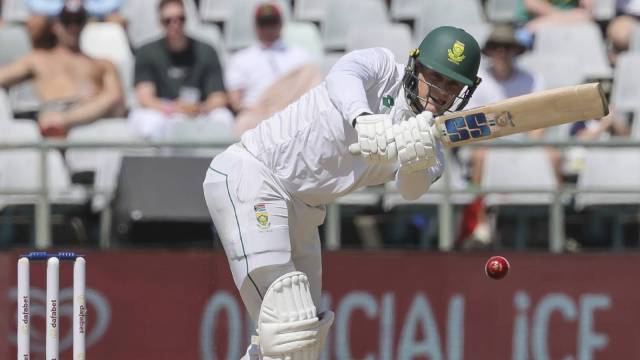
{"type": "Point", "coordinates": [266, 194]}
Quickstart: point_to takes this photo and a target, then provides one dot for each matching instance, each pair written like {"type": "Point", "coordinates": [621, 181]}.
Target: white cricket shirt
{"type": "Point", "coordinates": [306, 144]}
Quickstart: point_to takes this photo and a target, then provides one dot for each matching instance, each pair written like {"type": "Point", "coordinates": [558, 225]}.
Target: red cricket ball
{"type": "Point", "coordinates": [497, 267]}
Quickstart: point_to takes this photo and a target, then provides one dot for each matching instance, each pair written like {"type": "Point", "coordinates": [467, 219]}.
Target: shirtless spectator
{"type": "Point", "coordinates": [74, 88]}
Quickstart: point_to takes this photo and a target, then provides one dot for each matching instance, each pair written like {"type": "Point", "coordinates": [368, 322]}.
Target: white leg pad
{"type": "Point", "coordinates": [288, 325]}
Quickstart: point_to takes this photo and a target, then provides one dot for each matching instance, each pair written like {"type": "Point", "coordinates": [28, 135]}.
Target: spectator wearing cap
{"type": "Point", "coordinates": [251, 71]}
{"type": "Point", "coordinates": [501, 79]}
{"type": "Point", "coordinates": [74, 88]}
{"type": "Point", "coordinates": [177, 79]}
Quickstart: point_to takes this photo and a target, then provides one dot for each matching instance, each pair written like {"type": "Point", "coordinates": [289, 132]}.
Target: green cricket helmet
{"type": "Point", "coordinates": [451, 52]}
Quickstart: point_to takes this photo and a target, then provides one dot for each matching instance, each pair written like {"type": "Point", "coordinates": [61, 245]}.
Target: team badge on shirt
{"type": "Point", "coordinates": [455, 53]}
{"type": "Point", "coordinates": [262, 216]}
{"type": "Point", "coordinates": [387, 102]}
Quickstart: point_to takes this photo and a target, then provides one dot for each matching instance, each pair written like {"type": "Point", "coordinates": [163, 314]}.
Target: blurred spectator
{"type": "Point", "coordinates": [177, 79]}
{"type": "Point", "coordinates": [533, 13]}
{"type": "Point", "coordinates": [268, 75]}
{"type": "Point", "coordinates": [620, 29]}
{"type": "Point", "coordinates": [74, 88]}
{"type": "Point", "coordinates": [500, 80]}
{"type": "Point", "coordinates": [43, 11]}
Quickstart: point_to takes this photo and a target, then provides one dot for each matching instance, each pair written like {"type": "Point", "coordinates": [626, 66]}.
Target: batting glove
{"type": "Point", "coordinates": [415, 144]}
{"type": "Point", "coordinates": [376, 138]}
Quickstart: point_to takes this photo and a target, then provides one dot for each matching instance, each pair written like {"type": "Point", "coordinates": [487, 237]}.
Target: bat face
{"type": "Point", "coordinates": [476, 125]}
{"type": "Point", "coordinates": [523, 113]}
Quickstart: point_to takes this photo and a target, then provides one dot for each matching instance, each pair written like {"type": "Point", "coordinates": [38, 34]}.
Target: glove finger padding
{"type": "Point", "coordinates": [417, 151]}
{"type": "Point", "coordinates": [375, 138]}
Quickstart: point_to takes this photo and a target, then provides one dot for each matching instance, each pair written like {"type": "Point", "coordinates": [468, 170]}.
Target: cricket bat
{"type": "Point", "coordinates": [519, 114]}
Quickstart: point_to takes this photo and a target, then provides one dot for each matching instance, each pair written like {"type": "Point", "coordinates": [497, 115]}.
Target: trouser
{"type": "Point", "coordinates": [265, 231]}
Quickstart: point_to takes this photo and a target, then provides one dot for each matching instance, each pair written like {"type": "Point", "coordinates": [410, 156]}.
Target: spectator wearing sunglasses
{"type": "Point", "coordinates": [178, 81]}
{"type": "Point", "coordinates": [74, 88]}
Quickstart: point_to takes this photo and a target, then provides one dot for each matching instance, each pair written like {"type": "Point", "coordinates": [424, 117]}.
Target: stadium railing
{"type": "Point", "coordinates": [332, 224]}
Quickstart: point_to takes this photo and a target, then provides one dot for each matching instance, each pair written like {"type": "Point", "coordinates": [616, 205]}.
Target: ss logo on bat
{"type": "Point", "coordinates": [467, 127]}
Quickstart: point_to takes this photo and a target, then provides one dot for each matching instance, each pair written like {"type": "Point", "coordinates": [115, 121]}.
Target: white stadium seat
{"type": "Point", "coordinates": [626, 83]}
{"type": "Point", "coordinates": [435, 13]}
{"type": "Point", "coordinates": [105, 163]}
{"type": "Point", "coordinates": [340, 17]}
{"type": "Point", "coordinates": [501, 10]}
{"type": "Point", "coordinates": [304, 35]}
{"type": "Point", "coordinates": [405, 9]}
{"type": "Point", "coordinates": [395, 37]}
{"type": "Point", "coordinates": [25, 172]}
{"type": "Point", "coordinates": [582, 41]}
{"type": "Point", "coordinates": [16, 38]}
{"type": "Point", "coordinates": [14, 11]}
{"type": "Point", "coordinates": [556, 71]}
{"type": "Point", "coordinates": [310, 10]}
{"type": "Point", "coordinates": [609, 169]}
{"type": "Point", "coordinates": [512, 168]}
{"type": "Point", "coordinates": [215, 10]}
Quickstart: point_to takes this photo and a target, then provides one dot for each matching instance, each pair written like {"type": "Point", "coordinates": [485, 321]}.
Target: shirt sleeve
{"type": "Point", "coordinates": [354, 74]}
{"type": "Point", "coordinates": [212, 81]}
{"type": "Point", "coordinates": [143, 69]}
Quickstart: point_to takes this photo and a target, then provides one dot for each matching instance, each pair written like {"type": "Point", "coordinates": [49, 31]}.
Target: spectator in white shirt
{"type": "Point", "coordinates": [251, 71]}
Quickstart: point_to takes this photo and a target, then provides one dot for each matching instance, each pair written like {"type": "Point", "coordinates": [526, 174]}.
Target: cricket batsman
{"type": "Point", "coordinates": [267, 193]}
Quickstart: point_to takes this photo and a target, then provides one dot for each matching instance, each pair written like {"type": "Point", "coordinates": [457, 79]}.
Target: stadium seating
{"type": "Point", "coordinates": [104, 163]}
{"type": "Point", "coordinates": [512, 169]}
{"type": "Point", "coordinates": [556, 71]}
{"type": "Point", "coordinates": [6, 114]}
{"type": "Point", "coordinates": [610, 169]}
{"type": "Point", "coordinates": [626, 83]}
{"type": "Point", "coordinates": [310, 10]}
{"type": "Point", "coordinates": [28, 177]}
{"type": "Point", "coordinates": [304, 35]}
{"type": "Point", "coordinates": [340, 18]}
{"type": "Point", "coordinates": [396, 37]}
{"type": "Point", "coordinates": [501, 10]}
{"type": "Point", "coordinates": [571, 40]}
{"type": "Point", "coordinates": [404, 9]}
{"type": "Point", "coordinates": [215, 10]}
{"type": "Point", "coordinates": [14, 11]}
{"type": "Point", "coordinates": [434, 13]}
{"type": "Point", "coordinates": [15, 37]}
{"type": "Point", "coordinates": [604, 10]}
